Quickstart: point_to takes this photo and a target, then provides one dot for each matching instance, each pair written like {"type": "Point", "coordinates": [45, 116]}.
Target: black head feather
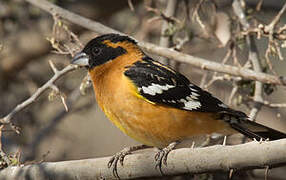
{"type": "Point", "coordinates": [100, 53]}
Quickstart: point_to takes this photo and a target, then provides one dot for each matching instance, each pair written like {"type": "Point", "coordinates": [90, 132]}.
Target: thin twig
{"type": "Point", "coordinates": [165, 41]}
{"type": "Point", "coordinates": [270, 28]}
{"type": "Point", "coordinates": [44, 132]}
{"type": "Point", "coordinates": [274, 105]}
{"type": "Point", "coordinates": [30, 100]}
{"type": "Point", "coordinates": [253, 56]}
{"type": "Point", "coordinates": [197, 17]}
{"type": "Point", "coordinates": [130, 4]}
{"type": "Point", "coordinates": [259, 5]}
{"type": "Point", "coordinates": [163, 16]}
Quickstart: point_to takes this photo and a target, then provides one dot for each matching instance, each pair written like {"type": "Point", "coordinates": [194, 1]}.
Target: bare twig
{"type": "Point", "coordinates": [273, 35]}
{"type": "Point", "coordinates": [181, 161]}
{"type": "Point", "coordinates": [266, 172]}
{"type": "Point", "coordinates": [232, 93]}
{"type": "Point", "coordinates": [270, 28]}
{"type": "Point", "coordinates": [32, 148]}
{"type": "Point", "coordinates": [253, 57]}
{"type": "Point", "coordinates": [259, 5]}
{"type": "Point", "coordinates": [197, 16]}
{"type": "Point", "coordinates": [151, 48]}
{"type": "Point", "coordinates": [274, 105]}
{"type": "Point", "coordinates": [30, 100]}
{"type": "Point", "coordinates": [58, 27]}
{"type": "Point", "coordinates": [130, 4]}
{"type": "Point", "coordinates": [165, 41]}
{"type": "Point", "coordinates": [163, 16]}
{"type": "Point", "coordinates": [258, 93]}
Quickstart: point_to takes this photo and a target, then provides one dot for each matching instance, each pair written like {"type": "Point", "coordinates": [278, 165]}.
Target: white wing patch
{"type": "Point", "coordinates": [190, 105]}
{"type": "Point", "coordinates": [192, 89]}
{"type": "Point", "coordinates": [154, 89]}
{"type": "Point", "coordinates": [190, 102]}
{"type": "Point", "coordinates": [222, 105]}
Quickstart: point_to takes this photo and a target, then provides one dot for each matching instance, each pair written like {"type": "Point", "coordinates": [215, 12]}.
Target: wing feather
{"type": "Point", "coordinates": [162, 85]}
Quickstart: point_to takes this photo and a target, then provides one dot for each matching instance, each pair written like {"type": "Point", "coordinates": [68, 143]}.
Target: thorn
{"type": "Point", "coordinates": [55, 70]}
{"type": "Point", "coordinates": [63, 98]}
{"type": "Point", "coordinates": [230, 173]}
{"type": "Point", "coordinates": [62, 95]}
{"type": "Point", "coordinates": [224, 141]}
{"type": "Point", "coordinates": [266, 173]}
{"type": "Point", "coordinates": [193, 145]}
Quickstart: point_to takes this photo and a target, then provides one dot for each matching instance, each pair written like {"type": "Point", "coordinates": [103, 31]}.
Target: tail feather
{"type": "Point", "coordinates": [239, 121]}
{"type": "Point", "coordinates": [258, 131]}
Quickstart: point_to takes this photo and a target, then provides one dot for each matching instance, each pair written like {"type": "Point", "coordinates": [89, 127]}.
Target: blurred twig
{"type": "Point", "coordinates": [165, 15]}
{"type": "Point", "coordinates": [130, 4]}
{"type": "Point", "coordinates": [253, 56]}
{"type": "Point", "coordinates": [151, 48]}
{"type": "Point", "coordinates": [165, 40]}
{"type": "Point", "coordinates": [3, 155]}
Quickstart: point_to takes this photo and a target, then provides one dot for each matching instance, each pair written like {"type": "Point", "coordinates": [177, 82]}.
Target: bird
{"type": "Point", "coordinates": [154, 104]}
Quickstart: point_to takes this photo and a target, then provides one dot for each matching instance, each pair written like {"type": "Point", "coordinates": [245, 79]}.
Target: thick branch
{"type": "Point", "coordinates": [180, 161]}
{"type": "Point", "coordinates": [171, 54]}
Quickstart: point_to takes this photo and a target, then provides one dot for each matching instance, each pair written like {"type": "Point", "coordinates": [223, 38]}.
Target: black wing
{"type": "Point", "coordinates": [162, 85]}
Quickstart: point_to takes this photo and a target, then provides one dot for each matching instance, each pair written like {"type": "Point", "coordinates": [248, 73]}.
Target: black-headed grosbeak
{"type": "Point", "coordinates": [153, 103]}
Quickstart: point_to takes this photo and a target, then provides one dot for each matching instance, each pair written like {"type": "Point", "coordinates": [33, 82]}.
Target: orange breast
{"type": "Point", "coordinates": [150, 124]}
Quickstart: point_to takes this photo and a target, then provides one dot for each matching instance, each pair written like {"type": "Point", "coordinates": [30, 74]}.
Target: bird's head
{"type": "Point", "coordinates": [104, 49]}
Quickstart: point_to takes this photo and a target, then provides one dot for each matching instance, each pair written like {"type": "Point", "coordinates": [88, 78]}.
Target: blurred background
{"type": "Point", "coordinates": [202, 28]}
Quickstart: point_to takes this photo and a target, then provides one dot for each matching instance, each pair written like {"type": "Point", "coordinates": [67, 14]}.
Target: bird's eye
{"type": "Point", "coordinates": [96, 51]}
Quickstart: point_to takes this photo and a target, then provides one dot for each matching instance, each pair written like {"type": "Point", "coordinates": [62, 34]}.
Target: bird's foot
{"type": "Point", "coordinates": [162, 156]}
{"type": "Point", "coordinates": [119, 158]}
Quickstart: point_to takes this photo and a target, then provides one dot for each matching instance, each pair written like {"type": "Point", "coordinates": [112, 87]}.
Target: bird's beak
{"type": "Point", "coordinates": [80, 59]}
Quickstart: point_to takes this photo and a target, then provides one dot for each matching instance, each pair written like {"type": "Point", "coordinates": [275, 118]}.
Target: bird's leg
{"type": "Point", "coordinates": [162, 155]}
{"type": "Point", "coordinates": [121, 155]}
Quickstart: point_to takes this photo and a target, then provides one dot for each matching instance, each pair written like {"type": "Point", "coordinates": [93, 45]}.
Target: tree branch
{"type": "Point", "coordinates": [253, 57]}
{"type": "Point", "coordinates": [181, 161]}
{"type": "Point", "coordinates": [151, 48]}
{"type": "Point", "coordinates": [30, 100]}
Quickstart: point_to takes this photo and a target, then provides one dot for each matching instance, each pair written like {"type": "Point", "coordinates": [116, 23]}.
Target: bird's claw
{"type": "Point", "coordinates": [162, 156]}
{"type": "Point", "coordinates": [113, 162]}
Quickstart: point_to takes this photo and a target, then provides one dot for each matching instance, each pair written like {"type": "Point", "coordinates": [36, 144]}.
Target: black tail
{"type": "Point", "coordinates": [254, 130]}
{"type": "Point", "coordinates": [239, 121]}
